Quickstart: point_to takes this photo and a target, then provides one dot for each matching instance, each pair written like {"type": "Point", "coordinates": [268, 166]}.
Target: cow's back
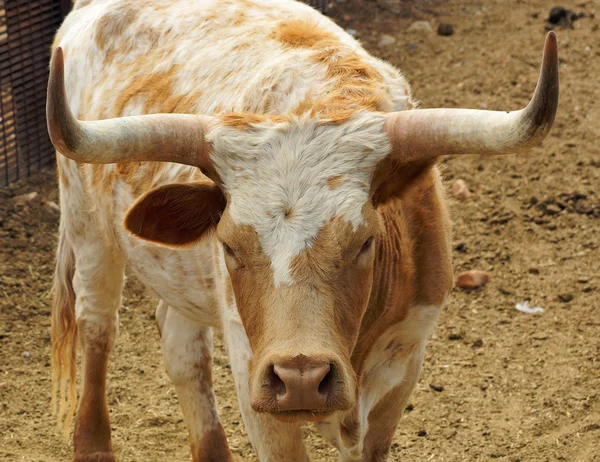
{"type": "Point", "coordinates": [128, 57]}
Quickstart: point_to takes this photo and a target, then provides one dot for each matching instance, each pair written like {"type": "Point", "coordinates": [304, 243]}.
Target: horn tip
{"type": "Point", "coordinates": [58, 60]}
{"type": "Point", "coordinates": [551, 45]}
{"type": "Point", "coordinates": [55, 100]}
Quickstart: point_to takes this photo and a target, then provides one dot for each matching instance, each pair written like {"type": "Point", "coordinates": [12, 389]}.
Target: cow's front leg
{"type": "Point", "coordinates": [187, 349]}
{"type": "Point", "coordinates": [273, 440]}
{"type": "Point", "coordinates": [386, 413]}
{"type": "Point", "coordinates": [366, 434]}
{"type": "Point", "coordinates": [389, 376]}
{"type": "Point", "coordinates": [98, 284]}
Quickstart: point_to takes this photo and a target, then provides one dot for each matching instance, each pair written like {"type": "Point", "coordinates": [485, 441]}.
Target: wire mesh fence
{"type": "Point", "coordinates": [27, 28]}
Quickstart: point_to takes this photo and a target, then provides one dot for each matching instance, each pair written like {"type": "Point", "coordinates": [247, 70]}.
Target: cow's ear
{"type": "Point", "coordinates": [176, 215]}
{"type": "Point", "coordinates": [392, 179]}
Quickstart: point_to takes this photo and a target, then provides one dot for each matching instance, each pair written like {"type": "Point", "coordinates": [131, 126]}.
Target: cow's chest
{"type": "Point", "coordinates": [183, 278]}
{"type": "Point", "coordinates": [393, 364]}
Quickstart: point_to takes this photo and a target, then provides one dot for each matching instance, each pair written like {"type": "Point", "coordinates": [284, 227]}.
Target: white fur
{"type": "Point", "coordinates": [290, 165]}
{"type": "Point", "coordinates": [186, 345]}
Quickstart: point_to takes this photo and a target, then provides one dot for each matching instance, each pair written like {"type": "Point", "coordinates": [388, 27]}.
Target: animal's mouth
{"type": "Point", "coordinates": [302, 415]}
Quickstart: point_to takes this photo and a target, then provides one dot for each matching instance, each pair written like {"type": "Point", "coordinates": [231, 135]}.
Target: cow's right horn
{"type": "Point", "coordinates": [158, 137]}
{"type": "Point", "coordinates": [426, 133]}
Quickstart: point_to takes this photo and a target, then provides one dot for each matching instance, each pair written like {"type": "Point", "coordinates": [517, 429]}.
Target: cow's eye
{"type": "Point", "coordinates": [231, 259]}
{"type": "Point", "coordinates": [366, 246]}
{"type": "Point", "coordinates": [228, 250]}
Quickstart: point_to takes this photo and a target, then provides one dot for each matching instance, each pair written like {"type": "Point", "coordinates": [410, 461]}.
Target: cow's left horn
{"type": "Point", "coordinates": [157, 137]}
{"type": "Point", "coordinates": [426, 133]}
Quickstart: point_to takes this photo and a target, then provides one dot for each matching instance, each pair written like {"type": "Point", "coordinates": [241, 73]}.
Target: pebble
{"type": "Point", "coordinates": [24, 198]}
{"type": "Point", "coordinates": [437, 388]}
{"type": "Point", "coordinates": [460, 190]}
{"type": "Point", "coordinates": [477, 343]}
{"type": "Point", "coordinates": [3, 385]}
{"type": "Point", "coordinates": [53, 206]}
{"type": "Point", "coordinates": [460, 247]}
{"type": "Point", "coordinates": [420, 26]}
{"type": "Point", "coordinates": [533, 271]}
{"type": "Point", "coordinates": [421, 433]}
{"type": "Point", "coordinates": [472, 279]}
{"type": "Point", "coordinates": [26, 355]}
{"type": "Point", "coordinates": [565, 298]}
{"type": "Point", "coordinates": [559, 14]}
{"type": "Point", "coordinates": [352, 32]}
{"type": "Point", "coordinates": [385, 41]}
{"type": "Point", "coordinates": [445, 30]}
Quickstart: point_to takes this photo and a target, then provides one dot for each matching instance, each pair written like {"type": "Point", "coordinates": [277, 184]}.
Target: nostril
{"type": "Point", "coordinates": [275, 383]}
{"type": "Point", "coordinates": [327, 382]}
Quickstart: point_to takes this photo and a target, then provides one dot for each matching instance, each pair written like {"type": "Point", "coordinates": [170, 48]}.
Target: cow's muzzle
{"type": "Point", "coordinates": [303, 388]}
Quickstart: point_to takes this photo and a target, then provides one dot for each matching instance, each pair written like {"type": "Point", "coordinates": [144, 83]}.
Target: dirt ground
{"type": "Point", "coordinates": [515, 387]}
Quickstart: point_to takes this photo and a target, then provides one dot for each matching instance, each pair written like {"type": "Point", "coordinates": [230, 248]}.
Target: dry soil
{"type": "Point", "coordinates": [515, 387]}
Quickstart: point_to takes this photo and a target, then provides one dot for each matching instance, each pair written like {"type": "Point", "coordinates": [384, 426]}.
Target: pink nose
{"type": "Point", "coordinates": [301, 384]}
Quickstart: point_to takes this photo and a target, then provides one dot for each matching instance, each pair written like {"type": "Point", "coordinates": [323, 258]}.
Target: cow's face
{"type": "Point", "coordinates": [302, 318]}
{"type": "Point", "coordinates": [298, 238]}
{"type": "Point", "coordinates": [297, 230]}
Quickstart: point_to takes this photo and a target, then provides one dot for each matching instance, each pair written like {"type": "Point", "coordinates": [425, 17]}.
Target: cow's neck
{"type": "Point", "coordinates": [413, 262]}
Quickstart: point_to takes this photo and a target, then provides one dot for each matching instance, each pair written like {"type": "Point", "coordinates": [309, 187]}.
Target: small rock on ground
{"type": "Point", "coordinates": [460, 190]}
{"type": "Point", "coordinates": [565, 298]}
{"type": "Point", "coordinates": [472, 279]}
{"type": "Point", "coordinates": [445, 30]}
{"type": "Point", "coordinates": [385, 41]}
{"type": "Point", "coordinates": [24, 198]}
{"type": "Point", "coordinates": [420, 26]}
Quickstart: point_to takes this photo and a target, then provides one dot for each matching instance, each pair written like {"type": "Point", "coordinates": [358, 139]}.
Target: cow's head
{"type": "Point", "coordinates": [293, 202]}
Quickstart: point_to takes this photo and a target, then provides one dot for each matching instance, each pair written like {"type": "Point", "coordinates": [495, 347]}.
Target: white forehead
{"type": "Point", "coordinates": [288, 180]}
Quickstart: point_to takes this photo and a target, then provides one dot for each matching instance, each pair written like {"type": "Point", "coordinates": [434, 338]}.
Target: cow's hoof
{"type": "Point", "coordinates": [95, 457]}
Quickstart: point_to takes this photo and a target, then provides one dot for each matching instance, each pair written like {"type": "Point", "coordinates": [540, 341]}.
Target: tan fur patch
{"type": "Point", "coordinates": [241, 46]}
{"type": "Point", "coordinates": [353, 85]}
{"type": "Point", "coordinates": [335, 181]}
{"type": "Point", "coordinates": [141, 182]}
{"type": "Point", "coordinates": [153, 88]}
{"type": "Point", "coordinates": [238, 19]}
{"type": "Point", "coordinates": [303, 34]}
{"type": "Point", "coordinates": [243, 121]}
{"type": "Point", "coordinates": [100, 177]}
{"type": "Point", "coordinates": [113, 24]}
{"type": "Point", "coordinates": [63, 177]}
{"type": "Point", "coordinates": [356, 85]}
{"type": "Point", "coordinates": [304, 106]}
